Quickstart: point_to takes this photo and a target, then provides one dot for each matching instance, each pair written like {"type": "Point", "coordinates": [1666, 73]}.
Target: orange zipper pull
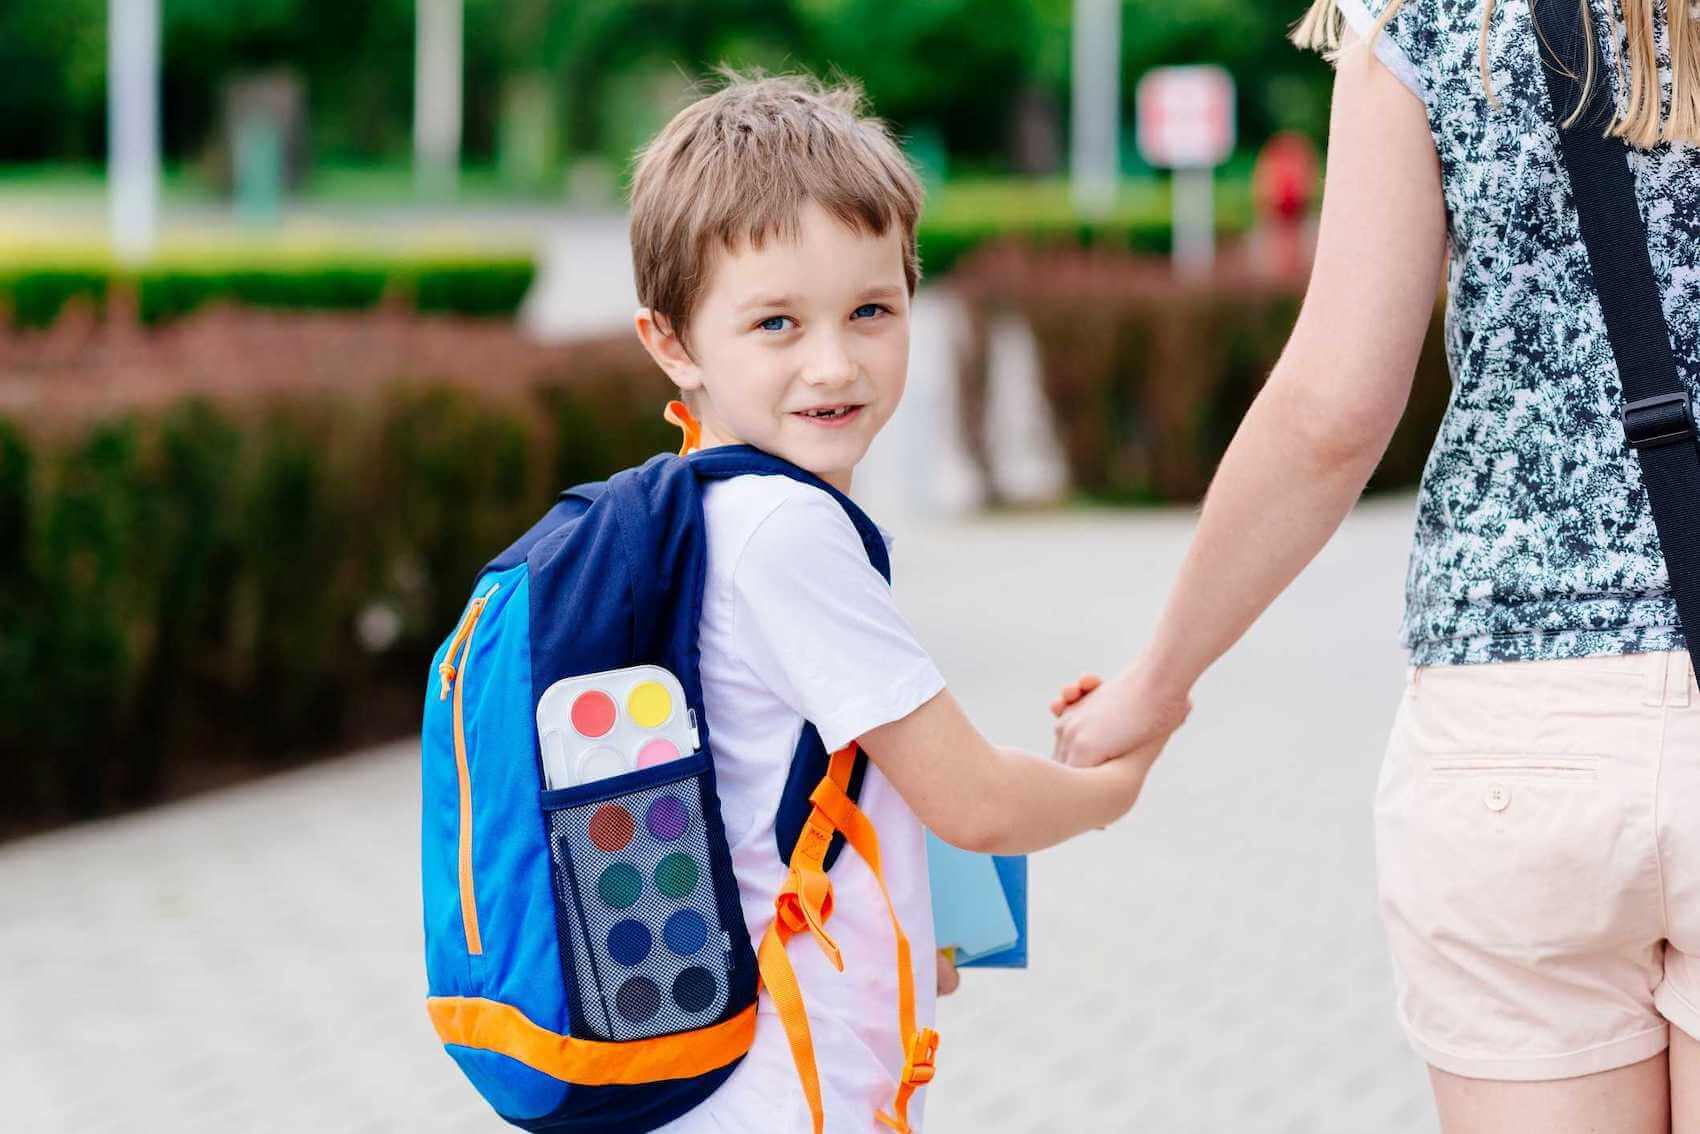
{"type": "Point", "coordinates": [463, 634]}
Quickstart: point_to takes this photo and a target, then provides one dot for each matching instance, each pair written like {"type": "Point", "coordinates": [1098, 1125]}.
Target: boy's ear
{"type": "Point", "coordinates": [667, 349]}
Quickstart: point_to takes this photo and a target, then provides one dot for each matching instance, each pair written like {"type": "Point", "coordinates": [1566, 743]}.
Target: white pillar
{"type": "Point", "coordinates": [1095, 117]}
{"type": "Point", "coordinates": [437, 96]}
{"type": "Point", "coordinates": [1194, 212]}
{"type": "Point", "coordinates": [132, 116]}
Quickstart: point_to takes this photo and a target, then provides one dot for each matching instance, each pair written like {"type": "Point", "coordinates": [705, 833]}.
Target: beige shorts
{"type": "Point", "coordinates": [1538, 858]}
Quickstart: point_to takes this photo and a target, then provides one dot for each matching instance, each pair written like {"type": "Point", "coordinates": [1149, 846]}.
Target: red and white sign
{"type": "Point", "coordinates": [1186, 117]}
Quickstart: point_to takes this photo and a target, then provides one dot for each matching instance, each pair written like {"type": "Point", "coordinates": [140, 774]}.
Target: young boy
{"type": "Point", "coordinates": [773, 236]}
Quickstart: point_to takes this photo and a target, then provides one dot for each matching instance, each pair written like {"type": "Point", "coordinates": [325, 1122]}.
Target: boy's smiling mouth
{"type": "Point", "coordinates": [835, 415]}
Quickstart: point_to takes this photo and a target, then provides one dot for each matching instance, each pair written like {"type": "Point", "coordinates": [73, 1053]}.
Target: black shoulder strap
{"type": "Point", "coordinates": [1658, 419]}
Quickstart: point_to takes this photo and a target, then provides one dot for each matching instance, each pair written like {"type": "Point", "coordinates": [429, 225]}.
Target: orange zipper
{"type": "Point", "coordinates": [455, 680]}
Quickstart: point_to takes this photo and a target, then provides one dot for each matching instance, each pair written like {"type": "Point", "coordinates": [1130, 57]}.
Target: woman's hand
{"type": "Point", "coordinates": [1133, 714]}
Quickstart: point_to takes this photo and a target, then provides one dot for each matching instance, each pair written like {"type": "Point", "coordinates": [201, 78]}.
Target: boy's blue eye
{"type": "Point", "coordinates": [772, 323]}
{"type": "Point", "coordinates": [866, 311]}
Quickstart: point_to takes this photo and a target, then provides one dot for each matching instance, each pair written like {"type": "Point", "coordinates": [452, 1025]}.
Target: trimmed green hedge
{"type": "Point", "coordinates": [197, 592]}
{"type": "Point", "coordinates": [34, 297]}
{"type": "Point", "coordinates": [943, 246]}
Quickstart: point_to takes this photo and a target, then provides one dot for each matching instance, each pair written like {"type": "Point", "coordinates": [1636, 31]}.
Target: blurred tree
{"type": "Point", "coordinates": [53, 80]}
{"type": "Point", "coordinates": [956, 66]}
{"type": "Point", "coordinates": [612, 70]}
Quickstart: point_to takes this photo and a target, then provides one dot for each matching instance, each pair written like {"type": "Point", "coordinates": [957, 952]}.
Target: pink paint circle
{"type": "Point", "coordinates": [593, 714]}
{"type": "Point", "coordinates": [657, 751]}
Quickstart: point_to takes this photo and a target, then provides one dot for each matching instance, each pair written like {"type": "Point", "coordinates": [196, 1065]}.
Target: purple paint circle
{"type": "Point", "coordinates": [667, 818]}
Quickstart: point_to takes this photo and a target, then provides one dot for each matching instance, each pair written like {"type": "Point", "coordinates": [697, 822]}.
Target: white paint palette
{"type": "Point", "coordinates": [606, 724]}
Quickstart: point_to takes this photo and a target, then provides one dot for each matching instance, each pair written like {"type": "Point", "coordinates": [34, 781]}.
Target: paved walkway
{"type": "Point", "coordinates": [250, 960]}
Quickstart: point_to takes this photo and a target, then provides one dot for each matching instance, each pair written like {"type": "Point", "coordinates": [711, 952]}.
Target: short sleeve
{"type": "Point", "coordinates": [819, 625]}
{"type": "Point", "coordinates": [1387, 49]}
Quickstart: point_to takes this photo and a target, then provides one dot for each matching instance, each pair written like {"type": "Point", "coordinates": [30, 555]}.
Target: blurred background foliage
{"type": "Point", "coordinates": [958, 77]}
{"type": "Point", "coordinates": [244, 486]}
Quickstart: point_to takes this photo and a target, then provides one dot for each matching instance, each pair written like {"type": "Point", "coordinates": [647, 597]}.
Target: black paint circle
{"type": "Point", "coordinates": [694, 989]}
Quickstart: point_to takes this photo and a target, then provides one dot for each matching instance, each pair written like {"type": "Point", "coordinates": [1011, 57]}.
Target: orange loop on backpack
{"type": "Point", "coordinates": [679, 414]}
{"type": "Point", "coordinates": [803, 904]}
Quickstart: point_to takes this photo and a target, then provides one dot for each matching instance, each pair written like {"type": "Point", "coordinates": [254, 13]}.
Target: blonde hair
{"type": "Point", "coordinates": [739, 164]}
{"type": "Point", "coordinates": [1640, 117]}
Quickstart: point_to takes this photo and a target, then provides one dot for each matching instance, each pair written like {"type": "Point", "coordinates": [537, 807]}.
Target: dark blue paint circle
{"type": "Point", "coordinates": [685, 932]}
{"type": "Point", "coordinates": [629, 942]}
{"type": "Point", "coordinates": [694, 989]}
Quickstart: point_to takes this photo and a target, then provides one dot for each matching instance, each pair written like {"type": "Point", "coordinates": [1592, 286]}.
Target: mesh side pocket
{"type": "Point", "coordinates": [635, 893]}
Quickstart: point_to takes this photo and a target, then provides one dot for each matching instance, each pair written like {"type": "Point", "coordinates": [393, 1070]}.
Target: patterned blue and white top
{"type": "Point", "coordinates": [1534, 536]}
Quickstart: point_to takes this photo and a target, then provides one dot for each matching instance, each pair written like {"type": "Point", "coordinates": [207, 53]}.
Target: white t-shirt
{"type": "Point", "coordinates": [798, 625]}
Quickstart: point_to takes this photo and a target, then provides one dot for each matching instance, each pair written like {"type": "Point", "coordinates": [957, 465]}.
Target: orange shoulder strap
{"type": "Point", "coordinates": [804, 903]}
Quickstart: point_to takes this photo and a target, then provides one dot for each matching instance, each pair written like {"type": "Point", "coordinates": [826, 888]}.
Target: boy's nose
{"type": "Point", "coordinates": [829, 365]}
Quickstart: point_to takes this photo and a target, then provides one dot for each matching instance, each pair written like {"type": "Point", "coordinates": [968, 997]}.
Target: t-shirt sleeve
{"type": "Point", "coordinates": [819, 626]}
{"type": "Point", "coordinates": [1387, 49]}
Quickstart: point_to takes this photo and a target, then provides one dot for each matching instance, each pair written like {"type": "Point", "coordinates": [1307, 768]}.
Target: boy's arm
{"type": "Point", "coordinates": [980, 797]}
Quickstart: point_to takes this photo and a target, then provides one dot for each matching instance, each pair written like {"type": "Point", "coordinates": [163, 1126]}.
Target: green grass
{"type": "Point", "coordinates": [1045, 202]}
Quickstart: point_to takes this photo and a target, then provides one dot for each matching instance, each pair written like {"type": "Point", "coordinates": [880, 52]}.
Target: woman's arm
{"type": "Point", "coordinates": [1320, 425]}
{"type": "Point", "coordinates": [980, 797]}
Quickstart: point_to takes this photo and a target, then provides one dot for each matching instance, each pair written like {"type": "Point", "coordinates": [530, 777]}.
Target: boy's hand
{"type": "Point", "coordinates": [949, 978]}
{"type": "Point", "coordinates": [1074, 691]}
{"type": "Point", "coordinates": [1134, 714]}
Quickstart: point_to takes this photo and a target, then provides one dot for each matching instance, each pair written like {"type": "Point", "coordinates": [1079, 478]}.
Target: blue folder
{"type": "Point", "coordinates": [979, 905]}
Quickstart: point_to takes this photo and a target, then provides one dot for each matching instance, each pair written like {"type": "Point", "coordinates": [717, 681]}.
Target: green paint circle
{"type": "Point", "coordinates": [676, 875]}
{"type": "Point", "coordinates": [620, 885]}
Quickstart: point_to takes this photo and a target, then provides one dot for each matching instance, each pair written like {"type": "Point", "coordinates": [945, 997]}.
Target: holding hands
{"type": "Point", "coordinates": [1129, 717]}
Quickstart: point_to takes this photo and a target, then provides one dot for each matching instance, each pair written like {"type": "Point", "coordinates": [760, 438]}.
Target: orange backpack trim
{"type": "Point", "coordinates": [489, 1025]}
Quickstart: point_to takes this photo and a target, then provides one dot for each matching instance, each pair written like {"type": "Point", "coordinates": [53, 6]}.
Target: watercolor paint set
{"type": "Point", "coordinates": [626, 810]}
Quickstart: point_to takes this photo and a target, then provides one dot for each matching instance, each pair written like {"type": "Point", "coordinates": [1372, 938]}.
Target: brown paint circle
{"type": "Point", "coordinates": [611, 827]}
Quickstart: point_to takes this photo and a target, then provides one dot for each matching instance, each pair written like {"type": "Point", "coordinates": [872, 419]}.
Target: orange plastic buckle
{"type": "Point", "coordinates": [919, 1068]}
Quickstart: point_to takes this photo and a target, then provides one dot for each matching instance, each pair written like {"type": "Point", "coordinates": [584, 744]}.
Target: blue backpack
{"type": "Point", "coordinates": [587, 961]}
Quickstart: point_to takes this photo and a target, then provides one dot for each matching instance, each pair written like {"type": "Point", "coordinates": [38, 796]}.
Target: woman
{"type": "Point", "coordinates": [1538, 813]}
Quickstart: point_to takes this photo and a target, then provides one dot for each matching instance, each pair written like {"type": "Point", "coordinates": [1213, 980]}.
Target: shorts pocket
{"type": "Point", "coordinates": [1513, 851]}
{"type": "Point", "coordinates": [638, 889]}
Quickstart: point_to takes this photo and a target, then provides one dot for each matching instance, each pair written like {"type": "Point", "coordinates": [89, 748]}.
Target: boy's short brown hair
{"type": "Point", "coordinates": [739, 164]}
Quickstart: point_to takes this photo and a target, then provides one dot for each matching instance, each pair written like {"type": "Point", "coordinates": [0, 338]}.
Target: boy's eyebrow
{"type": "Point", "coordinates": [765, 301]}
{"type": "Point", "coordinates": [878, 291]}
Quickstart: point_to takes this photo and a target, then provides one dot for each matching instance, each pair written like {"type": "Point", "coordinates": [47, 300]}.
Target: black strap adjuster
{"type": "Point", "coordinates": [1663, 420]}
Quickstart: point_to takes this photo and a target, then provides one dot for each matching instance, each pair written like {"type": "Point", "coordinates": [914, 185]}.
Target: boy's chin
{"type": "Point", "coordinates": [834, 467]}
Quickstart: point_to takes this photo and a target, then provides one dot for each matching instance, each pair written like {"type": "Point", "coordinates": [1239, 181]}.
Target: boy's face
{"type": "Point", "coordinates": [800, 348]}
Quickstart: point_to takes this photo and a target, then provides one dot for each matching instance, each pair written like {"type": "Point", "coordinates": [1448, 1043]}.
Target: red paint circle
{"type": "Point", "coordinates": [593, 713]}
{"type": "Point", "coordinates": [611, 827]}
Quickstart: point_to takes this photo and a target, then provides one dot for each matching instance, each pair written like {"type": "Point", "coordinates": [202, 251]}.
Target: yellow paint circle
{"type": "Point", "coordinates": [649, 705]}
